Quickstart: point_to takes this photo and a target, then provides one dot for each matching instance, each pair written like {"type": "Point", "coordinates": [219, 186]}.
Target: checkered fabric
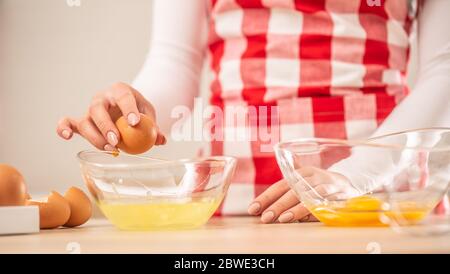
{"type": "Point", "coordinates": [332, 68]}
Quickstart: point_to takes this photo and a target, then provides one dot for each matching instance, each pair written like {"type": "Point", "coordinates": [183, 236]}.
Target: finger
{"type": "Point", "coordinates": [319, 177]}
{"type": "Point", "coordinates": [90, 132]}
{"type": "Point", "coordinates": [324, 190]}
{"type": "Point", "coordinates": [123, 96]}
{"type": "Point", "coordinates": [145, 106]}
{"type": "Point", "coordinates": [308, 174]}
{"type": "Point", "coordinates": [268, 197]}
{"type": "Point", "coordinates": [286, 201]}
{"type": "Point", "coordinates": [66, 127]}
{"type": "Point", "coordinates": [295, 213]}
{"type": "Point", "coordinates": [102, 120]}
{"type": "Point", "coordinates": [308, 218]}
{"type": "Point", "coordinates": [309, 183]}
{"type": "Point", "coordinates": [307, 171]}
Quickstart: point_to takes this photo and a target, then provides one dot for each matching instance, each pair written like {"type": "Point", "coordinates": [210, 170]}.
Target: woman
{"type": "Point", "coordinates": [333, 68]}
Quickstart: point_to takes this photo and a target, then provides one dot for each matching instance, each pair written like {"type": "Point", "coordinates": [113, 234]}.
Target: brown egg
{"type": "Point", "coordinates": [53, 211]}
{"type": "Point", "coordinates": [80, 207]}
{"type": "Point", "coordinates": [137, 139]}
{"type": "Point", "coordinates": [13, 191]}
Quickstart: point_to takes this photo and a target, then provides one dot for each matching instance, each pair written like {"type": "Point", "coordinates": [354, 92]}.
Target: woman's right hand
{"type": "Point", "coordinates": [98, 126]}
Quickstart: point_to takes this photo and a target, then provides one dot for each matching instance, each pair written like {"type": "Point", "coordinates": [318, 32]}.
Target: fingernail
{"type": "Point", "coordinates": [112, 138]}
{"type": "Point", "coordinates": [254, 208]}
{"type": "Point", "coordinates": [286, 217]}
{"type": "Point", "coordinates": [109, 147]}
{"type": "Point", "coordinates": [267, 217]}
{"type": "Point", "coordinates": [132, 119]}
{"type": "Point", "coordinates": [66, 133]}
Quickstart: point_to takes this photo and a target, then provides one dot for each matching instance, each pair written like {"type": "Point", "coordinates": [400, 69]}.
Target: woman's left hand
{"type": "Point", "coordinates": [279, 201]}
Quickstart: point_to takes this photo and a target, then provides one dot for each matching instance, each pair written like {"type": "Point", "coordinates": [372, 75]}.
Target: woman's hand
{"type": "Point", "coordinates": [279, 202]}
{"type": "Point", "coordinates": [98, 126]}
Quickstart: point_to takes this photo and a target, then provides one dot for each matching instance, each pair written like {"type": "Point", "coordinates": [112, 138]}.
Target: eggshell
{"type": "Point", "coordinates": [13, 191]}
{"type": "Point", "coordinates": [139, 138]}
{"type": "Point", "coordinates": [53, 211]}
{"type": "Point", "coordinates": [80, 207]}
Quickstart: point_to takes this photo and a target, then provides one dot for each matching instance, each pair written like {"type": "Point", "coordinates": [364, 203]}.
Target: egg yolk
{"type": "Point", "coordinates": [363, 203]}
{"type": "Point", "coordinates": [367, 211]}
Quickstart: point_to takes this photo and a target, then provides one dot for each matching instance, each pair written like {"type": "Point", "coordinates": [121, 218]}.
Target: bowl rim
{"type": "Point", "coordinates": [211, 161]}
{"type": "Point", "coordinates": [369, 142]}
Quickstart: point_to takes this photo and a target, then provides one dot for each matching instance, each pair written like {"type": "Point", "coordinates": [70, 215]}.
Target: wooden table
{"type": "Point", "coordinates": [224, 235]}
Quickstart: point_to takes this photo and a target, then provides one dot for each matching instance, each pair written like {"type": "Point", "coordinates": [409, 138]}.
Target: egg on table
{"type": "Point", "coordinates": [72, 209]}
{"type": "Point", "coordinates": [139, 138]}
{"type": "Point", "coordinates": [54, 211]}
{"type": "Point", "coordinates": [13, 191]}
{"type": "Point", "coordinates": [80, 207]}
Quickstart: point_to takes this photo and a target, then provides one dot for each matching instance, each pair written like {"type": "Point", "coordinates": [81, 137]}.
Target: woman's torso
{"type": "Point", "coordinates": [301, 68]}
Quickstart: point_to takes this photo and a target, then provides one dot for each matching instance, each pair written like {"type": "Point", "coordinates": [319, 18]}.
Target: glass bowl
{"type": "Point", "coordinates": [399, 179]}
{"type": "Point", "coordinates": [141, 193]}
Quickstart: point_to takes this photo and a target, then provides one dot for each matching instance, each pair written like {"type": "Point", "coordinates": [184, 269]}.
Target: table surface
{"type": "Point", "coordinates": [224, 235]}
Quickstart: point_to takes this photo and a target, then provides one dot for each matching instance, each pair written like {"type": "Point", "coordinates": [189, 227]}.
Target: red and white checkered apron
{"type": "Point", "coordinates": [333, 68]}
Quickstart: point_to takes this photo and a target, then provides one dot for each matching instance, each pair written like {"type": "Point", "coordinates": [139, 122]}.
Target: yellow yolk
{"type": "Point", "coordinates": [363, 203]}
{"type": "Point", "coordinates": [157, 215]}
{"type": "Point", "coordinates": [367, 211]}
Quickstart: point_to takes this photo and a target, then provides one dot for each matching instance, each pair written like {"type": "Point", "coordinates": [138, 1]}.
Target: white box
{"type": "Point", "coordinates": [19, 219]}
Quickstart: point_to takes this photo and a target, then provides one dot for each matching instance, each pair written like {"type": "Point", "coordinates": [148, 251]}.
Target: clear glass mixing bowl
{"type": "Point", "coordinates": [400, 179]}
{"type": "Point", "coordinates": [141, 193]}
